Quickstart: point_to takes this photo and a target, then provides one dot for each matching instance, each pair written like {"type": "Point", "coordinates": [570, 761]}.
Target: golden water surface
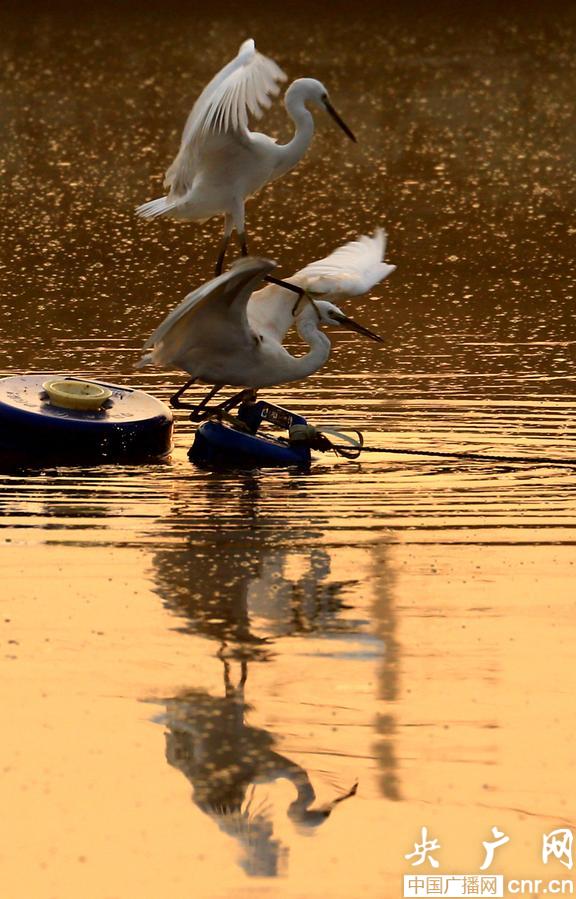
{"type": "Point", "coordinates": [196, 665]}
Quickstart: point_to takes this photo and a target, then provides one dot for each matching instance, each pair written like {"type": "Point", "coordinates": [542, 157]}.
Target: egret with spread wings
{"type": "Point", "coordinates": [221, 162]}
{"type": "Point", "coordinates": [229, 332]}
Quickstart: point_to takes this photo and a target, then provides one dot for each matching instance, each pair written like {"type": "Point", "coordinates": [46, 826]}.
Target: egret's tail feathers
{"type": "Point", "coordinates": [386, 270]}
{"type": "Point", "coordinates": [378, 240]}
{"type": "Point", "coordinates": [146, 359]}
{"type": "Point", "coordinates": [367, 248]}
{"type": "Point", "coordinates": [154, 208]}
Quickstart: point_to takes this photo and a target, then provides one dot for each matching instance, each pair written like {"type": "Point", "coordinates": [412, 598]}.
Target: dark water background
{"type": "Point", "coordinates": [389, 587]}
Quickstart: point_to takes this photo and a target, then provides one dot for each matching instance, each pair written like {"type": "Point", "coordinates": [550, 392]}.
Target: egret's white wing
{"type": "Point", "coordinates": [350, 270]}
{"type": "Point", "coordinates": [270, 310]}
{"type": "Point", "coordinates": [243, 86]}
{"type": "Point", "coordinates": [214, 313]}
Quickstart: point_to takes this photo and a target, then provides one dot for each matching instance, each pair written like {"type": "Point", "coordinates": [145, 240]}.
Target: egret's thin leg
{"type": "Point", "coordinates": [243, 673]}
{"type": "Point", "coordinates": [201, 412]}
{"type": "Point", "coordinates": [231, 690]}
{"type": "Point", "coordinates": [228, 686]}
{"type": "Point", "coordinates": [220, 260]}
{"type": "Point", "coordinates": [293, 287]}
{"type": "Point", "coordinates": [228, 225]}
{"type": "Point", "coordinates": [175, 399]}
{"type": "Point", "coordinates": [238, 217]}
{"type": "Point", "coordinates": [248, 394]}
{"type": "Point", "coordinates": [198, 411]}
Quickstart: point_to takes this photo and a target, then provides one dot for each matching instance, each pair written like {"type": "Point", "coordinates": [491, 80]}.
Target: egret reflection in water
{"type": "Point", "coordinates": [224, 758]}
{"type": "Point", "coordinates": [250, 590]}
{"type": "Point", "coordinates": [248, 585]}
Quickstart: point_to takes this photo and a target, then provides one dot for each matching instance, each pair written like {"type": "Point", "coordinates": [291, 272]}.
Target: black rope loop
{"type": "Point", "coordinates": [316, 438]}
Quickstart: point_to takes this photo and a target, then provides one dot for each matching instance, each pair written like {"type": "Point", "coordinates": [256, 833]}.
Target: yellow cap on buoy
{"type": "Point", "coordinates": [72, 394]}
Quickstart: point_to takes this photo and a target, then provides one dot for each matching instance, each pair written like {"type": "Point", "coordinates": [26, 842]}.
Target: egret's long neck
{"type": "Point", "coordinates": [319, 347]}
{"type": "Point", "coordinates": [292, 152]}
{"type": "Point", "coordinates": [281, 367]}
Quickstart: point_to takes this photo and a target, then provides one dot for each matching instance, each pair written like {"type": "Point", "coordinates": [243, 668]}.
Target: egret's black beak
{"type": "Point", "coordinates": [354, 326]}
{"type": "Point", "coordinates": [338, 120]}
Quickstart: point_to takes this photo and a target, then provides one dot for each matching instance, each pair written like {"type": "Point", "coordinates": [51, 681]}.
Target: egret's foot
{"type": "Point", "coordinates": [286, 284]}
{"type": "Point", "coordinates": [176, 403]}
{"type": "Point", "coordinates": [250, 395]}
{"type": "Point", "coordinates": [175, 399]}
{"type": "Point", "coordinates": [303, 294]}
{"type": "Point", "coordinates": [203, 411]}
{"type": "Point", "coordinates": [199, 413]}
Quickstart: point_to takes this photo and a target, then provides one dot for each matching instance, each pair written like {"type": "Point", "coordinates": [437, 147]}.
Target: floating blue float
{"type": "Point", "coordinates": [241, 446]}
{"type": "Point", "coordinates": [38, 427]}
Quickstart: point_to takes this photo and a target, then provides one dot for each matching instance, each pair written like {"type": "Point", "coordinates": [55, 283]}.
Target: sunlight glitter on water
{"type": "Point", "coordinates": [198, 667]}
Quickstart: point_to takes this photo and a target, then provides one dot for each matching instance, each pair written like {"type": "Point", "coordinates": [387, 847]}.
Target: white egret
{"type": "Point", "coordinates": [225, 333]}
{"type": "Point", "coordinates": [221, 162]}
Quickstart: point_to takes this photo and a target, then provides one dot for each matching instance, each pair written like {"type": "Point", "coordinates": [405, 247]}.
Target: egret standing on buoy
{"type": "Point", "coordinates": [224, 333]}
{"type": "Point", "coordinates": [220, 162]}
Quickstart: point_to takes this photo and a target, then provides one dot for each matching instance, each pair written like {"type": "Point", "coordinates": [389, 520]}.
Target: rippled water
{"type": "Point", "coordinates": [197, 666]}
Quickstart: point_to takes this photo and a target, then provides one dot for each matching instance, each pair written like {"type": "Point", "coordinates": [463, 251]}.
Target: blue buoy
{"type": "Point", "coordinates": [35, 429]}
{"type": "Point", "coordinates": [220, 444]}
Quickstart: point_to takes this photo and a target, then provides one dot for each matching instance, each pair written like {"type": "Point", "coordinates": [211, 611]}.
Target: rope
{"type": "Point", "coordinates": [316, 438]}
{"type": "Point", "coordinates": [473, 457]}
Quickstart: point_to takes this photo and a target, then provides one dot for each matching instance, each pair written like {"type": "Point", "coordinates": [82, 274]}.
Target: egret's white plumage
{"type": "Point", "coordinates": [227, 332]}
{"type": "Point", "coordinates": [221, 162]}
{"type": "Point", "coordinates": [348, 271]}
